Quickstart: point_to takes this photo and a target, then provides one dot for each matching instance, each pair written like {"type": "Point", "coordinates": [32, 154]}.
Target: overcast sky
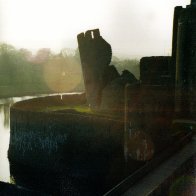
{"type": "Point", "coordinates": [132, 27]}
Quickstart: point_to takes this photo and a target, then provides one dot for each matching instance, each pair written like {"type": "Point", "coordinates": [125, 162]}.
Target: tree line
{"type": "Point", "coordinates": [24, 73]}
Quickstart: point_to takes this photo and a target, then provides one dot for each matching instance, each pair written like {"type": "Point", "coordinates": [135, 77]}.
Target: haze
{"type": "Point", "coordinates": [133, 28]}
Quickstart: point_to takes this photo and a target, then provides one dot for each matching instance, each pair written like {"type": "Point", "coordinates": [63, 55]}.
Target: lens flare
{"type": "Point", "coordinates": [62, 74]}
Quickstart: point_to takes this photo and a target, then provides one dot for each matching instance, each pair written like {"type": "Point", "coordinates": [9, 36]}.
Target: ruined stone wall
{"type": "Point", "coordinates": [186, 62]}
{"type": "Point", "coordinates": [78, 143]}
{"type": "Point", "coordinates": [95, 55]}
{"type": "Point", "coordinates": [157, 70]}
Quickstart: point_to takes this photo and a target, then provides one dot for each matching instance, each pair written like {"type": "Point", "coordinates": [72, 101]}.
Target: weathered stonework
{"type": "Point", "coordinates": [95, 55]}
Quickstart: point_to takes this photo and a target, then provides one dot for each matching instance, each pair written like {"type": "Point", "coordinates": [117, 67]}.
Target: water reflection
{"type": "Point", "coordinates": [5, 111]}
{"type": "Point", "coordinates": [4, 138]}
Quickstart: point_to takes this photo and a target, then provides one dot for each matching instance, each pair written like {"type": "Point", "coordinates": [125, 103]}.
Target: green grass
{"type": "Point", "coordinates": [80, 109]}
{"type": "Point", "coordinates": [77, 108]}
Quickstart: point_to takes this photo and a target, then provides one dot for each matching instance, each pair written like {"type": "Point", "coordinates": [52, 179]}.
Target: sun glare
{"type": "Point", "coordinates": [55, 24]}
{"type": "Point", "coordinates": [35, 22]}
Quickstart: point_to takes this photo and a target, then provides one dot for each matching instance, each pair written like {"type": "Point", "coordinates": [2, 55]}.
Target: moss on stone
{"type": "Point", "coordinates": [60, 108]}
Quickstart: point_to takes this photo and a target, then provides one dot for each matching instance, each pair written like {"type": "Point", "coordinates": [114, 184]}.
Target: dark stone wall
{"type": "Point", "coordinates": [150, 109]}
{"type": "Point", "coordinates": [44, 138]}
{"type": "Point", "coordinates": [7, 189]}
{"type": "Point", "coordinates": [186, 62]}
{"type": "Point", "coordinates": [158, 70]}
{"type": "Point", "coordinates": [78, 145]}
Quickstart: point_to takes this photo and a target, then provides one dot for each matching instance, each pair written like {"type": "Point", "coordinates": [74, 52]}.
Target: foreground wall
{"type": "Point", "coordinates": [79, 145]}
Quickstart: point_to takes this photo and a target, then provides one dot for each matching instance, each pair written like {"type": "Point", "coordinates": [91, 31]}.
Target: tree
{"type": "Point", "coordinates": [42, 55]}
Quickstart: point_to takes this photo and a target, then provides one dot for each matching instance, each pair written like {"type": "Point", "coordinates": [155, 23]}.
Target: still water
{"type": "Point", "coordinates": [5, 105]}
{"type": "Point", "coordinates": [4, 138]}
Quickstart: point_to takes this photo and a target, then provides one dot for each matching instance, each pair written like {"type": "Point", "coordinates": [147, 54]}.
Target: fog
{"type": "Point", "coordinates": [133, 28]}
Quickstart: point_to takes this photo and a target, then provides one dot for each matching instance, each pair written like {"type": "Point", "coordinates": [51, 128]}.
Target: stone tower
{"type": "Point", "coordinates": [95, 55]}
{"type": "Point", "coordinates": [185, 52]}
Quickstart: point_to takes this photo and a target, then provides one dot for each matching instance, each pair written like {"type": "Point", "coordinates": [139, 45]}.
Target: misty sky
{"type": "Point", "coordinates": [132, 27]}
